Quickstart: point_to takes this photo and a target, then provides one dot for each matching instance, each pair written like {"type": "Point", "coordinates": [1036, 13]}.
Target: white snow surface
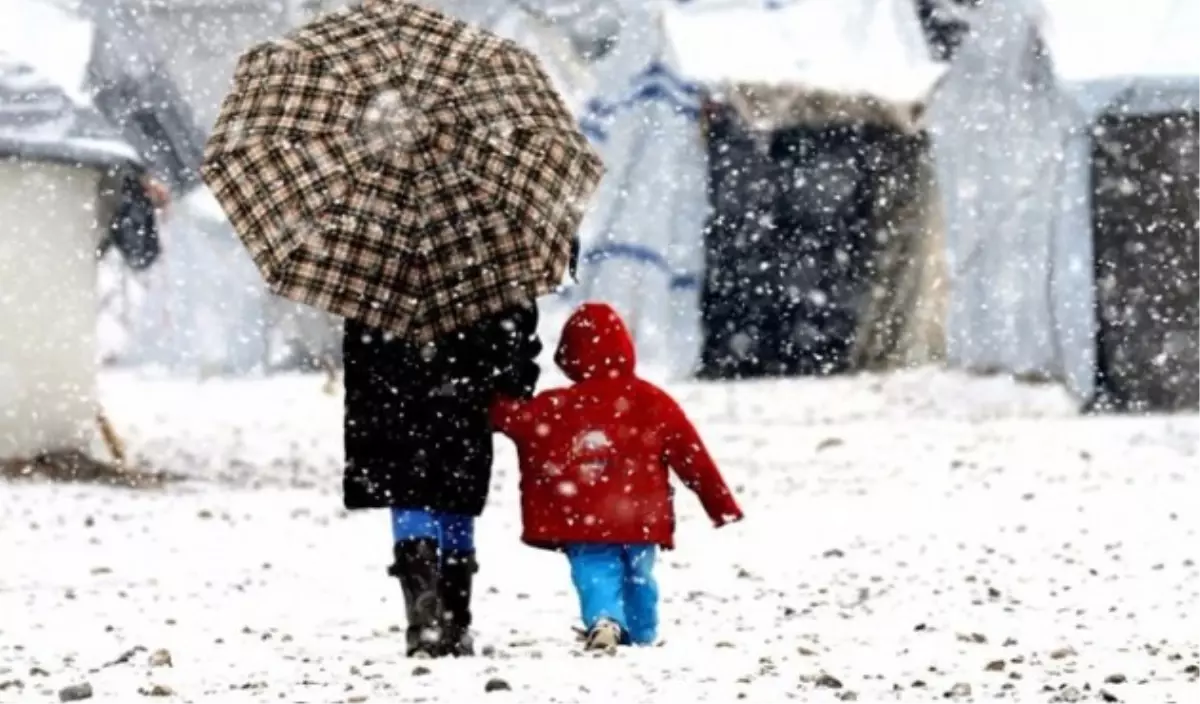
{"type": "Point", "coordinates": [1094, 39]}
{"type": "Point", "coordinates": [850, 47]}
{"type": "Point", "coordinates": [902, 528]}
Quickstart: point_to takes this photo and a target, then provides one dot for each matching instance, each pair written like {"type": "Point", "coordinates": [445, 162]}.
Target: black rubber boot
{"type": "Point", "coordinates": [458, 571]}
{"type": "Point", "coordinates": [418, 568]}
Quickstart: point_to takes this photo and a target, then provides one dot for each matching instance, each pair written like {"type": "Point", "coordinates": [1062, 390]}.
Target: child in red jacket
{"type": "Point", "coordinates": [594, 475]}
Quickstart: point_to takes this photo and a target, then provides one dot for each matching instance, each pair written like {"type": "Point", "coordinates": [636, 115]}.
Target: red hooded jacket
{"type": "Point", "coordinates": [595, 455]}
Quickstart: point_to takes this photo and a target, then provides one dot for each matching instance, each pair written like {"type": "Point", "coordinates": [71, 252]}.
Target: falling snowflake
{"type": "Point", "coordinates": [592, 441]}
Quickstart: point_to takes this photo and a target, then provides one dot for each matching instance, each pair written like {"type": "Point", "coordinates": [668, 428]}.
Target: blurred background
{"type": "Point", "coordinates": [795, 187]}
{"type": "Point", "coordinates": [923, 273]}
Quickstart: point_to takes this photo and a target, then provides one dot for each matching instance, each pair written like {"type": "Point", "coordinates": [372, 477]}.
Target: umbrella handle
{"type": "Point", "coordinates": [574, 261]}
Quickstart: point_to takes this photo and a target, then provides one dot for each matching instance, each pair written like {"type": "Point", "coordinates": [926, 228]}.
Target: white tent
{"type": "Point", "coordinates": [642, 248]}
{"type": "Point", "coordinates": [55, 153]}
{"type": "Point", "coordinates": [1013, 134]}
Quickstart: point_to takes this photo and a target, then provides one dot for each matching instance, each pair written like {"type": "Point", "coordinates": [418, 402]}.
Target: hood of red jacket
{"type": "Point", "coordinates": [595, 344]}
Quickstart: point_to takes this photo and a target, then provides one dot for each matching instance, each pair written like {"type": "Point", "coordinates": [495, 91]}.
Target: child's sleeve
{"type": "Point", "coordinates": [509, 415]}
{"type": "Point", "coordinates": [687, 456]}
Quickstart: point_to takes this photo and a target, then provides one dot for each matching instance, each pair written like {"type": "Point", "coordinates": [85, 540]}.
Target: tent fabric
{"type": "Point", "coordinates": [902, 321]}
{"type": "Point", "coordinates": [821, 116]}
{"type": "Point", "coordinates": [790, 244]}
{"type": "Point", "coordinates": [1002, 314]}
{"type": "Point", "coordinates": [1013, 129]}
{"type": "Point", "coordinates": [855, 48]}
{"type": "Point", "coordinates": [642, 244]}
{"type": "Point", "coordinates": [821, 280]}
{"type": "Point", "coordinates": [132, 87]}
{"type": "Point", "coordinates": [1146, 174]}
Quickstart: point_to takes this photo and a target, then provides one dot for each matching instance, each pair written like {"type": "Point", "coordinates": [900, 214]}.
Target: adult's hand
{"type": "Point", "coordinates": [158, 193]}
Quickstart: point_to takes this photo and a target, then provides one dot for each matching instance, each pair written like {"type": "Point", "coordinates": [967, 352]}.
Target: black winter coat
{"type": "Point", "coordinates": [417, 433]}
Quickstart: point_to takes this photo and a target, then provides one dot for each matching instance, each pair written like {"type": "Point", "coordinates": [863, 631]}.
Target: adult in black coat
{"type": "Point", "coordinates": [419, 442]}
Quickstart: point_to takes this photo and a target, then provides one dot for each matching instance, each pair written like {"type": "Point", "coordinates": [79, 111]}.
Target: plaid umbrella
{"type": "Point", "coordinates": [393, 165]}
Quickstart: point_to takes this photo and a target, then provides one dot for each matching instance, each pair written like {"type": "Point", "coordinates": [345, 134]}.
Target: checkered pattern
{"type": "Point", "coordinates": [390, 164]}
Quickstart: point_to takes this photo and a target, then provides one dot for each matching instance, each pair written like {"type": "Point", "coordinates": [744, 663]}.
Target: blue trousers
{"type": "Point", "coordinates": [616, 582]}
{"type": "Point", "coordinates": [454, 533]}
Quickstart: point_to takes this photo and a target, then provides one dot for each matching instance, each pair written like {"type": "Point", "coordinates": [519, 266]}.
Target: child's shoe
{"type": "Point", "coordinates": [605, 635]}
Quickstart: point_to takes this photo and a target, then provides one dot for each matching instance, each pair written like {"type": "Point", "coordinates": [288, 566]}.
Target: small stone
{"type": "Point", "coordinates": [1193, 670]}
{"type": "Point", "coordinates": [1115, 679]}
{"type": "Point", "coordinates": [1009, 642]}
{"type": "Point", "coordinates": [11, 684]}
{"type": "Point", "coordinates": [959, 691]}
{"type": "Point", "coordinates": [356, 699]}
{"type": "Point", "coordinates": [833, 553]}
{"type": "Point", "coordinates": [160, 658]}
{"type": "Point", "coordinates": [497, 685]}
{"type": "Point", "coordinates": [488, 651]}
{"type": "Point", "coordinates": [830, 442]}
{"type": "Point", "coordinates": [918, 684]}
{"type": "Point", "coordinates": [1063, 653]}
{"type": "Point", "coordinates": [420, 671]}
{"type": "Point", "coordinates": [1107, 696]}
{"type": "Point", "coordinates": [806, 652]}
{"type": "Point", "coordinates": [38, 672]}
{"type": "Point", "coordinates": [157, 690]}
{"type": "Point", "coordinates": [920, 627]}
{"type": "Point", "coordinates": [848, 696]}
{"type": "Point", "coordinates": [995, 666]}
{"type": "Point", "coordinates": [724, 644]}
{"type": "Point", "coordinates": [75, 692]}
{"type": "Point", "coordinates": [828, 681]}
{"type": "Point", "coordinates": [1069, 695]}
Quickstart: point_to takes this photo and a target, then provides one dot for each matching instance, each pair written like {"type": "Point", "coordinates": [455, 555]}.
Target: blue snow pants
{"type": "Point", "coordinates": [616, 582]}
{"type": "Point", "coordinates": [454, 533]}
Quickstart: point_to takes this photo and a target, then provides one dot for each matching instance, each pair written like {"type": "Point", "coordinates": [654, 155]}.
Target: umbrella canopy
{"type": "Point", "coordinates": [390, 164]}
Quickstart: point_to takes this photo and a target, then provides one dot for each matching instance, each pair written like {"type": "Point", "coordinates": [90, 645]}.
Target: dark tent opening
{"type": "Point", "coordinates": [800, 214]}
{"type": "Point", "coordinates": [1146, 229]}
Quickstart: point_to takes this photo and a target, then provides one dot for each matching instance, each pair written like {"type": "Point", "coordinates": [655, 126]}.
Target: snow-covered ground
{"type": "Point", "coordinates": [910, 536]}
